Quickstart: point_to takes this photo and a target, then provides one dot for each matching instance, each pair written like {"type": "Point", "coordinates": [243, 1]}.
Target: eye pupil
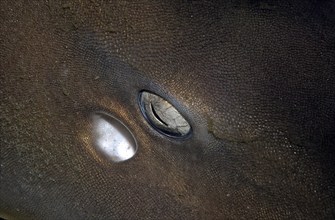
{"type": "Point", "coordinates": [156, 115]}
{"type": "Point", "coordinates": [163, 116]}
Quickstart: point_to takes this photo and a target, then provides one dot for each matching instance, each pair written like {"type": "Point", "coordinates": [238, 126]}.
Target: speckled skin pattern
{"type": "Point", "coordinates": [255, 80]}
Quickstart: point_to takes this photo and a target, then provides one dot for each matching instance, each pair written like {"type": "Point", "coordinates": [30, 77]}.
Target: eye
{"type": "Point", "coordinates": [162, 116]}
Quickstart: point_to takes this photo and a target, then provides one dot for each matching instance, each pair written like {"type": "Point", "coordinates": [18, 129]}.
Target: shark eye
{"type": "Point", "coordinates": [162, 116]}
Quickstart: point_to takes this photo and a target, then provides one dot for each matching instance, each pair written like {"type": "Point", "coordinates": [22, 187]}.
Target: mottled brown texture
{"type": "Point", "coordinates": [255, 80]}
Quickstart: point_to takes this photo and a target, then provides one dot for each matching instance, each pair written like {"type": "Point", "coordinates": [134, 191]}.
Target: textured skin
{"type": "Point", "coordinates": [256, 81]}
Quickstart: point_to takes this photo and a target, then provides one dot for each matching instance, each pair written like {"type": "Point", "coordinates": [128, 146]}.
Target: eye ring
{"type": "Point", "coordinates": [163, 116]}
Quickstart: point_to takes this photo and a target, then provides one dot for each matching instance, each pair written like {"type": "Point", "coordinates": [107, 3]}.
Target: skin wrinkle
{"type": "Point", "coordinates": [254, 80]}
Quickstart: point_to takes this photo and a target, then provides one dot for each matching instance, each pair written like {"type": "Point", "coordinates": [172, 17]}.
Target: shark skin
{"type": "Point", "coordinates": [255, 80]}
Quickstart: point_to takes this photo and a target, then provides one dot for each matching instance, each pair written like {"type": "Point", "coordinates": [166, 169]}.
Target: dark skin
{"type": "Point", "coordinates": [254, 80]}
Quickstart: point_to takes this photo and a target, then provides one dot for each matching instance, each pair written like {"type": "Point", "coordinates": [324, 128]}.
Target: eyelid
{"type": "Point", "coordinates": [163, 116]}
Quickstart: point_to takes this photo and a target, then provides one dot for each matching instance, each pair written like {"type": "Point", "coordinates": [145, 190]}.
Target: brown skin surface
{"type": "Point", "coordinates": [255, 81]}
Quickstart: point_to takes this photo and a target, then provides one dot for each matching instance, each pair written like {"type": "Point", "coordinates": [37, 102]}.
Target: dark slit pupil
{"type": "Point", "coordinates": [157, 116]}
